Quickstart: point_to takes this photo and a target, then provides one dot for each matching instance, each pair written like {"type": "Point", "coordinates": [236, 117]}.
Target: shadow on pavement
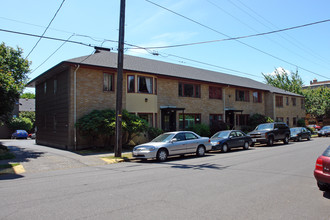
{"type": "Point", "coordinates": [10, 176]}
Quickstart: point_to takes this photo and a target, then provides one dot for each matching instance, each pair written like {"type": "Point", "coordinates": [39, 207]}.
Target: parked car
{"type": "Point", "coordinates": [316, 127]}
{"type": "Point", "coordinates": [19, 134]}
{"type": "Point", "coordinates": [32, 135]}
{"type": "Point", "coordinates": [173, 143]}
{"type": "Point", "coordinates": [270, 132]}
{"type": "Point", "coordinates": [322, 170]}
{"type": "Point", "coordinates": [325, 131]}
{"type": "Point", "coordinates": [299, 133]}
{"type": "Point", "coordinates": [225, 140]}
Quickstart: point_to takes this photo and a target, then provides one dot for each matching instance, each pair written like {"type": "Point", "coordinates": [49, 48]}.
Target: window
{"type": "Point", "coordinates": [279, 101]}
{"type": "Point", "coordinates": [242, 95]}
{"type": "Point", "coordinates": [190, 136]}
{"type": "Point", "coordinates": [155, 86]}
{"type": "Point", "coordinates": [242, 119]}
{"type": "Point", "coordinates": [108, 82]}
{"type": "Point", "coordinates": [287, 100]}
{"type": "Point", "coordinates": [294, 121]}
{"type": "Point", "coordinates": [294, 101]}
{"type": "Point", "coordinates": [145, 84]}
{"type": "Point", "coordinates": [257, 97]}
{"type": "Point", "coordinates": [287, 120]}
{"type": "Point", "coordinates": [215, 119]}
{"type": "Point", "coordinates": [302, 102]}
{"type": "Point", "coordinates": [55, 86]}
{"type": "Point", "coordinates": [190, 120]}
{"type": "Point", "coordinates": [45, 87]}
{"type": "Point", "coordinates": [130, 83]}
{"type": "Point", "coordinates": [189, 90]}
{"type": "Point", "coordinates": [147, 117]}
{"type": "Point", "coordinates": [215, 92]}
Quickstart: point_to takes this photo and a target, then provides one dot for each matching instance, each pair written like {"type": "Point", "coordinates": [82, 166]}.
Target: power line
{"type": "Point", "coordinates": [45, 37]}
{"type": "Point", "coordinates": [45, 29]}
{"type": "Point", "coordinates": [51, 54]}
{"type": "Point", "coordinates": [216, 31]}
{"type": "Point", "coordinates": [236, 38]}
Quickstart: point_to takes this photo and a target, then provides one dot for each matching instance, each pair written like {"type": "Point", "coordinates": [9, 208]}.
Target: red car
{"type": "Point", "coordinates": [322, 171]}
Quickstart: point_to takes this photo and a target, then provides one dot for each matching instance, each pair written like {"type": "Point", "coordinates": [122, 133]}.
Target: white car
{"type": "Point", "coordinates": [173, 143]}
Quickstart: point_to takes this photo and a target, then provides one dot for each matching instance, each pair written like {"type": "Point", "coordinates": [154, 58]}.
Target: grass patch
{"type": "Point", "coordinates": [5, 166]}
{"type": "Point", "coordinates": [5, 154]}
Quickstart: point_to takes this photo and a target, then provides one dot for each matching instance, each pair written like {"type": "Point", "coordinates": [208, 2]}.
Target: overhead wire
{"type": "Point", "coordinates": [237, 38]}
{"type": "Point", "coordinates": [216, 31]}
{"type": "Point", "coordinates": [45, 30]}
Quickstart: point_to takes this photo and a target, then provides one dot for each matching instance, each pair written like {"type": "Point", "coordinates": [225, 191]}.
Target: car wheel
{"type": "Point", "coordinates": [270, 141]}
{"type": "Point", "coordinates": [162, 155]}
{"type": "Point", "coordinates": [308, 137]}
{"type": "Point", "coordinates": [200, 151]}
{"type": "Point", "coordinates": [224, 148]}
{"type": "Point", "coordinates": [299, 138]}
{"type": "Point", "coordinates": [246, 145]}
{"type": "Point", "coordinates": [286, 140]}
{"type": "Point", "coordinates": [322, 187]}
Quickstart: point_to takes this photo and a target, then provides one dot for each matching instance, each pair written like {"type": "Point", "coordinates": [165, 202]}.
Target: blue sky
{"type": "Point", "coordinates": [147, 25]}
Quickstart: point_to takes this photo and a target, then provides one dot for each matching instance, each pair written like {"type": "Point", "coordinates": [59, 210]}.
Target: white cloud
{"type": "Point", "coordinates": [279, 70]}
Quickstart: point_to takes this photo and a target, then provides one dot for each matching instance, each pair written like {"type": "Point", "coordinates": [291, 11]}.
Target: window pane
{"type": "Point", "coordinates": [145, 84]}
{"type": "Point", "coordinates": [107, 82]}
{"type": "Point", "coordinates": [130, 84]}
{"type": "Point", "coordinates": [188, 90]}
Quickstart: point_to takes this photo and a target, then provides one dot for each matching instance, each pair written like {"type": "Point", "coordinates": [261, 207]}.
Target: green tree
{"type": "Point", "coordinates": [13, 77]}
{"type": "Point", "coordinates": [101, 124]}
{"type": "Point", "coordinates": [317, 102]}
{"type": "Point", "coordinates": [20, 123]}
{"type": "Point", "coordinates": [28, 95]}
{"type": "Point", "coordinates": [291, 82]}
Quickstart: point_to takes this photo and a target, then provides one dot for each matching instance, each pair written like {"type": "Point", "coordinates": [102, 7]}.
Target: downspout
{"type": "Point", "coordinates": [274, 107]}
{"type": "Point", "coordinates": [75, 107]}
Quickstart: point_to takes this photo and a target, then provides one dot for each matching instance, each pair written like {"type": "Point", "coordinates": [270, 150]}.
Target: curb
{"type": "Point", "coordinates": [13, 170]}
{"type": "Point", "coordinates": [117, 160]}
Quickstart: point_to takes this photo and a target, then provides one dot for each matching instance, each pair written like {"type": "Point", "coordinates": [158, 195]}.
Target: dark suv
{"type": "Point", "coordinates": [269, 132]}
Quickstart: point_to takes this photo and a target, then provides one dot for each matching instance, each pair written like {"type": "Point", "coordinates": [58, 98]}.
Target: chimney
{"type": "Point", "coordinates": [314, 81]}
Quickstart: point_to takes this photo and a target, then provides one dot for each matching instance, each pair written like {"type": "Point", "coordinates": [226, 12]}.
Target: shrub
{"type": "Point", "coordinates": [154, 132]}
{"type": "Point", "coordinates": [201, 129]}
{"type": "Point", "coordinates": [256, 119]}
{"type": "Point", "coordinates": [301, 122]}
{"type": "Point", "coordinates": [20, 123]}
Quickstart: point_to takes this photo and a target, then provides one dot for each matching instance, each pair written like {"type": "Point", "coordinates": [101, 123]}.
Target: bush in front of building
{"type": "Point", "coordinates": [100, 125]}
{"type": "Point", "coordinates": [255, 120]}
{"type": "Point", "coordinates": [154, 132]}
{"type": "Point", "coordinates": [201, 129]}
{"type": "Point", "coordinates": [301, 123]}
{"type": "Point", "coordinates": [20, 123]}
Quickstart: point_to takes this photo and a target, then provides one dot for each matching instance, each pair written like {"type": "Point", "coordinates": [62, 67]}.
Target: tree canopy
{"type": "Point", "coordinates": [317, 101]}
{"type": "Point", "coordinates": [28, 95]}
{"type": "Point", "coordinates": [13, 77]}
{"type": "Point", "coordinates": [287, 81]}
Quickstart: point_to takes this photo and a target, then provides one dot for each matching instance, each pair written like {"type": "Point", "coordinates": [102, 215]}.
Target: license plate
{"type": "Point", "coordinates": [254, 140]}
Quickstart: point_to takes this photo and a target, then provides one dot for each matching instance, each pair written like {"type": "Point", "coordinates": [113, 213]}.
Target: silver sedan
{"type": "Point", "coordinates": [173, 143]}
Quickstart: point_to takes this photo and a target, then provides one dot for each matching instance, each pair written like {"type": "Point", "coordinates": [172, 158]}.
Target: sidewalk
{"type": "Point", "coordinates": [37, 158]}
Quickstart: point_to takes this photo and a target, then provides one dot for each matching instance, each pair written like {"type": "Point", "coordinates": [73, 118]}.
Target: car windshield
{"type": "Point", "coordinates": [294, 130]}
{"type": "Point", "coordinates": [221, 134]}
{"type": "Point", "coordinates": [264, 127]}
{"type": "Point", "coordinates": [163, 137]}
{"type": "Point", "coordinates": [326, 128]}
{"type": "Point", "coordinates": [326, 153]}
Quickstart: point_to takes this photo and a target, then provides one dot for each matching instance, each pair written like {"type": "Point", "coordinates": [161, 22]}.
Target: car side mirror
{"type": "Point", "coordinates": [174, 140]}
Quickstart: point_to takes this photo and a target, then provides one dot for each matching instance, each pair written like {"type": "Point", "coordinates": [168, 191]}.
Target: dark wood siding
{"type": "Point", "coordinates": [52, 111]}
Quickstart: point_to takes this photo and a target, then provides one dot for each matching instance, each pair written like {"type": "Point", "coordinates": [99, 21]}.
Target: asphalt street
{"type": "Point", "coordinates": [261, 183]}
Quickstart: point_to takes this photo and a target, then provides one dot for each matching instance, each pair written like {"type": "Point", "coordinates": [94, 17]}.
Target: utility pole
{"type": "Point", "coordinates": [119, 95]}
